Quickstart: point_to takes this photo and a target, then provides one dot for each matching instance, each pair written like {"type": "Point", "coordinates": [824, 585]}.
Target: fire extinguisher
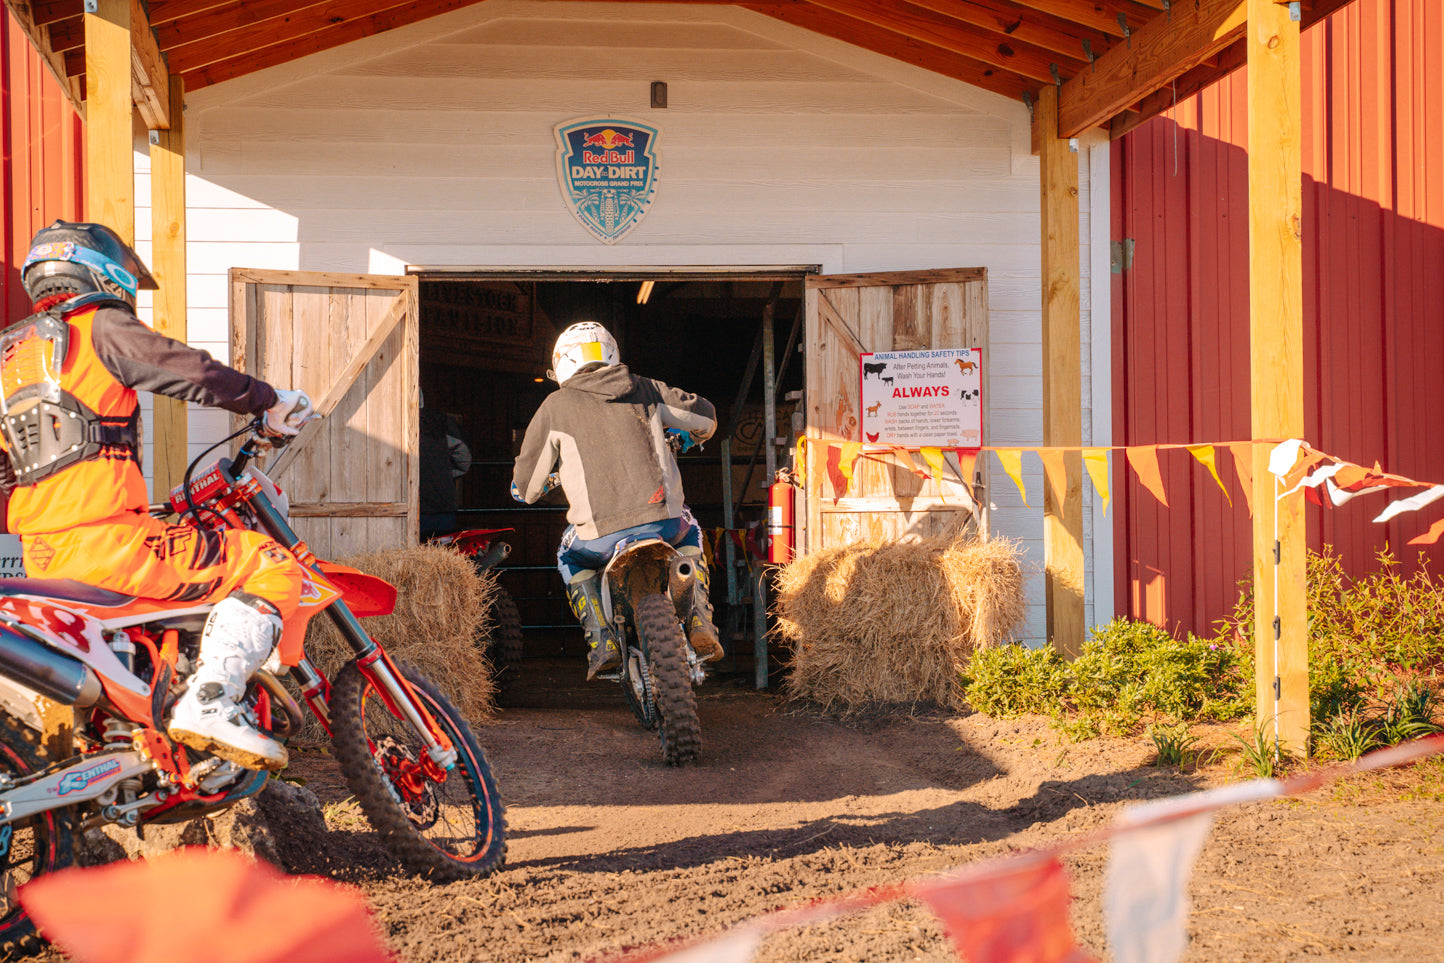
{"type": "Point", "coordinates": [781, 524]}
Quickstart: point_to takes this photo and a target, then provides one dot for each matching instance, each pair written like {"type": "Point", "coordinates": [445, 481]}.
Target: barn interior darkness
{"type": "Point", "coordinates": [485, 345]}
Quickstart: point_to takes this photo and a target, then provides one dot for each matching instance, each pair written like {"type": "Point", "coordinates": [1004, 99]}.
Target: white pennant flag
{"type": "Point", "coordinates": [737, 946]}
{"type": "Point", "coordinates": [1411, 504]}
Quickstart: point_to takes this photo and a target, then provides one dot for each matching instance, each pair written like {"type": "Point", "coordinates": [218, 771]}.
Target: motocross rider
{"type": "Point", "coordinates": [607, 427]}
{"type": "Point", "coordinates": [70, 430]}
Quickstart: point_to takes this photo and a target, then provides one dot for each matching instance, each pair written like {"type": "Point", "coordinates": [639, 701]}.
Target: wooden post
{"type": "Point", "coordinates": [168, 264]}
{"type": "Point", "coordinates": [1276, 337]}
{"type": "Point", "coordinates": [1062, 377]}
{"type": "Point", "coordinates": [109, 147]}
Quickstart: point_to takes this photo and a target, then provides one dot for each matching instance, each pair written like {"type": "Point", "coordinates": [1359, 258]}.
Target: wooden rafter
{"type": "Point", "coordinates": [849, 30]}
{"type": "Point", "coordinates": [1100, 16]}
{"type": "Point", "coordinates": [1021, 25]}
{"type": "Point", "coordinates": [149, 79]}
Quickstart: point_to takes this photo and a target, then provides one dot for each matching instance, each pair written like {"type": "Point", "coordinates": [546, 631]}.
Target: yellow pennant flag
{"type": "Point", "coordinates": [1096, 461]}
{"type": "Point", "coordinates": [934, 458]}
{"type": "Point", "coordinates": [1055, 473]}
{"type": "Point", "coordinates": [848, 460]}
{"type": "Point", "coordinates": [1208, 458]}
{"type": "Point", "coordinates": [799, 461]}
{"type": "Point", "coordinates": [1012, 459]}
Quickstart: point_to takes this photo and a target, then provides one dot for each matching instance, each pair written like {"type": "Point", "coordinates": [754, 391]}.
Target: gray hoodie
{"type": "Point", "coordinates": [606, 427]}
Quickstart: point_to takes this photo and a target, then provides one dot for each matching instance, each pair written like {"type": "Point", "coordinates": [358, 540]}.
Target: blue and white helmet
{"type": "Point", "coordinates": [585, 344]}
{"type": "Point", "coordinates": [77, 258]}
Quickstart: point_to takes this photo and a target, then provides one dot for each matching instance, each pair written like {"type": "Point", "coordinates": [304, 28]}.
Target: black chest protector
{"type": "Point", "coordinates": [46, 428]}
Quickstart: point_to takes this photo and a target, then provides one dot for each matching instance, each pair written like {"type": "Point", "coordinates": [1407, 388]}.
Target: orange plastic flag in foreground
{"type": "Point", "coordinates": [1096, 461]}
{"type": "Point", "coordinates": [1015, 913]}
{"type": "Point", "coordinates": [1144, 460]}
{"type": "Point", "coordinates": [1012, 459]}
{"type": "Point", "coordinates": [201, 904]}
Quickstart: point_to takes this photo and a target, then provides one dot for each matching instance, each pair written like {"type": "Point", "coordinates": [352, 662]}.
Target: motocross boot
{"type": "Point", "coordinates": [584, 592]}
{"type": "Point", "coordinates": [239, 635]}
{"type": "Point", "coordinates": [702, 634]}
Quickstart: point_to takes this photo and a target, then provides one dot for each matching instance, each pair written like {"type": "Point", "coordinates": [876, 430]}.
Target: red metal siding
{"type": "Point", "coordinates": [1373, 162]}
{"type": "Point", "coordinates": [42, 176]}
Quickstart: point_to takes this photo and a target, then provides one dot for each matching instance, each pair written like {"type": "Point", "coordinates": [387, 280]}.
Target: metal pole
{"type": "Point", "coordinates": [759, 626]}
{"type": "Point", "coordinates": [728, 520]}
{"type": "Point", "coordinates": [769, 392]}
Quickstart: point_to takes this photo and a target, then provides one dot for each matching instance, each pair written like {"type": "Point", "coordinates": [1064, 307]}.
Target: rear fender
{"type": "Point", "coordinates": [80, 637]}
{"type": "Point", "coordinates": [639, 566]}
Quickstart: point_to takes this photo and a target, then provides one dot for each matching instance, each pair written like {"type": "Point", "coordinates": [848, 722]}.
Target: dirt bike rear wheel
{"type": "Point", "coordinates": [447, 830]}
{"type": "Point", "coordinates": [666, 646]}
{"type": "Point", "coordinates": [638, 688]}
{"type": "Point", "coordinates": [504, 647]}
{"type": "Point", "coordinates": [41, 844]}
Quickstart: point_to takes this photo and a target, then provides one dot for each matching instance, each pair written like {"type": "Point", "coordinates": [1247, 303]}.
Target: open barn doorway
{"type": "Point", "coordinates": [485, 344]}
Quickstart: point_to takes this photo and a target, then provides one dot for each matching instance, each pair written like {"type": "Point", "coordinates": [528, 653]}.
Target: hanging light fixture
{"type": "Point", "coordinates": [644, 292]}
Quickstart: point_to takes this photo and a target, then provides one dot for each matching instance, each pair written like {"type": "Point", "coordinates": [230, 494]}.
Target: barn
{"type": "Point", "coordinates": [382, 204]}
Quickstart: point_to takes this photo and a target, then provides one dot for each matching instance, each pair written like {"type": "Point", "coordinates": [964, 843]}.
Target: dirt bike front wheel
{"type": "Point", "coordinates": [666, 649]}
{"type": "Point", "coordinates": [446, 829]}
{"type": "Point", "coordinates": [41, 844]}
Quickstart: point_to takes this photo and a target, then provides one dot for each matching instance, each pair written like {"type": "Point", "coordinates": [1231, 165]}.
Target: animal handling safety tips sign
{"type": "Point", "coordinates": [922, 399]}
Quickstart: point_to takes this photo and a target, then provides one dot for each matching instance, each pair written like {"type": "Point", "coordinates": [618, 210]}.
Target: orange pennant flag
{"type": "Point", "coordinates": [1431, 536]}
{"type": "Point", "coordinates": [1012, 459]}
{"type": "Point", "coordinates": [1096, 461]}
{"type": "Point", "coordinates": [1208, 458]}
{"type": "Point", "coordinates": [1243, 468]}
{"type": "Point", "coordinates": [1144, 459]}
{"type": "Point", "coordinates": [1056, 475]}
{"type": "Point", "coordinates": [967, 464]}
{"type": "Point", "coordinates": [934, 458]}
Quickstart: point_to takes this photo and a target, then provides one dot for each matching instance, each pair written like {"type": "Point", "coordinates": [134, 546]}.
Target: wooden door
{"type": "Point", "coordinates": [849, 315]}
{"type": "Point", "coordinates": [350, 342]}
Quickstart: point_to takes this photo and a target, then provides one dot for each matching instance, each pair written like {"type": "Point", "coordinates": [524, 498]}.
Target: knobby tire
{"type": "Point", "coordinates": [666, 647]}
{"type": "Point", "coordinates": [505, 645]}
{"type": "Point", "coordinates": [41, 844]}
{"type": "Point", "coordinates": [451, 830]}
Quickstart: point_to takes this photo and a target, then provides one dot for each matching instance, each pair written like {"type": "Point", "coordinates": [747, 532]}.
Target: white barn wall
{"type": "Point", "coordinates": [432, 145]}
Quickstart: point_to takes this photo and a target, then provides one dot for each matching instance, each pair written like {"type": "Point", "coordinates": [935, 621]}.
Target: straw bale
{"type": "Point", "coordinates": [441, 618]}
{"type": "Point", "coordinates": [884, 621]}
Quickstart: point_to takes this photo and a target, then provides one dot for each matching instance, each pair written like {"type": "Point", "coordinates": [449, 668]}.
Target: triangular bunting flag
{"type": "Point", "coordinates": [1016, 912]}
{"type": "Point", "coordinates": [967, 465]}
{"type": "Point", "coordinates": [799, 461]}
{"type": "Point", "coordinates": [934, 458]}
{"type": "Point", "coordinates": [1243, 468]}
{"type": "Point", "coordinates": [1145, 903]}
{"type": "Point", "coordinates": [833, 466]}
{"type": "Point", "coordinates": [1431, 536]}
{"type": "Point", "coordinates": [1055, 473]}
{"type": "Point", "coordinates": [1096, 461]}
{"type": "Point", "coordinates": [1208, 459]}
{"type": "Point", "coordinates": [848, 461]}
{"type": "Point", "coordinates": [1012, 459]}
{"type": "Point", "coordinates": [1412, 504]}
{"type": "Point", "coordinates": [1144, 459]}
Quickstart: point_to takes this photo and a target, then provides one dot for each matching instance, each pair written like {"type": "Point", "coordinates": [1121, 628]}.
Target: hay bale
{"type": "Point", "coordinates": [442, 611]}
{"type": "Point", "coordinates": [895, 622]}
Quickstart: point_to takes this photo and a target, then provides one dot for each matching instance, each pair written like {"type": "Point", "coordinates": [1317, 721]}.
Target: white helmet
{"type": "Point", "coordinates": [585, 344]}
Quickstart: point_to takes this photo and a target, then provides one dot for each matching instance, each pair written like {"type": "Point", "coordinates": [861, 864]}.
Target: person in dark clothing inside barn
{"type": "Point", "coordinates": [444, 458]}
{"type": "Point", "coordinates": [604, 432]}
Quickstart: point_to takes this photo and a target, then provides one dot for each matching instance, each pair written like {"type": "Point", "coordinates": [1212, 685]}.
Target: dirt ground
{"type": "Point", "coordinates": [610, 849]}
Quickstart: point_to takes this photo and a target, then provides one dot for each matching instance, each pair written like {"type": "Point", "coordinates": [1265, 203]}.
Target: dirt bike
{"type": "Point", "coordinates": [486, 551]}
{"type": "Point", "coordinates": [108, 667]}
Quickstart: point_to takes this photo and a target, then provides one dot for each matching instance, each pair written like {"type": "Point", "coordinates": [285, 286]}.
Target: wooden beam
{"type": "Point", "coordinates": [166, 11]}
{"type": "Point", "coordinates": [235, 15]}
{"type": "Point", "coordinates": [53, 60]}
{"type": "Point", "coordinates": [855, 32]}
{"type": "Point", "coordinates": [49, 11]}
{"type": "Point", "coordinates": [168, 264]}
{"type": "Point", "coordinates": [1031, 27]}
{"type": "Point", "coordinates": [1200, 77]}
{"type": "Point", "coordinates": [1095, 15]}
{"type": "Point", "coordinates": [287, 41]}
{"type": "Point", "coordinates": [1062, 376]}
{"type": "Point", "coordinates": [1167, 47]}
{"type": "Point", "coordinates": [109, 149]}
{"type": "Point", "coordinates": [1276, 353]}
{"type": "Point", "coordinates": [916, 23]}
{"type": "Point", "coordinates": [150, 84]}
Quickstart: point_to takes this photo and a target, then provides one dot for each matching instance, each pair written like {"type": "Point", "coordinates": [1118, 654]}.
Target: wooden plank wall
{"type": "Point", "coordinates": [1373, 157]}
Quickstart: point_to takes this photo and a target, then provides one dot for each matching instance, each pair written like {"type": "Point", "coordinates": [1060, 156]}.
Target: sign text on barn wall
{"type": "Point", "coordinates": [608, 173]}
{"type": "Point", "coordinates": [923, 398]}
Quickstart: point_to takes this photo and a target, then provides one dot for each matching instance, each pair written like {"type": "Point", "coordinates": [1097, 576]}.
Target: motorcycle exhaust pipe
{"type": "Point", "coordinates": [681, 576]}
{"type": "Point", "coordinates": [494, 553]}
{"type": "Point", "coordinates": [53, 674]}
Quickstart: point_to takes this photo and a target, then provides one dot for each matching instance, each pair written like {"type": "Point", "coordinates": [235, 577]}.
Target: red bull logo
{"type": "Point", "coordinates": [607, 139]}
{"type": "Point", "coordinates": [608, 172]}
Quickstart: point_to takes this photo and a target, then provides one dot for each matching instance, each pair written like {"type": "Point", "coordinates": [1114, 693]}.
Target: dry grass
{"type": "Point", "coordinates": [442, 610]}
{"type": "Point", "coordinates": [895, 622]}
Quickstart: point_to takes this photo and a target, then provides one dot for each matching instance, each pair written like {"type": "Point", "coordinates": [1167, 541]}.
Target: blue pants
{"type": "Point", "coordinates": [581, 555]}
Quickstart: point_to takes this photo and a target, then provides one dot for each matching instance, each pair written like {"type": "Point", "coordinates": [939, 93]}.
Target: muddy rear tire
{"type": "Point", "coordinates": [504, 647]}
{"type": "Point", "coordinates": [666, 647]}
{"type": "Point", "coordinates": [445, 830]}
{"type": "Point", "coordinates": [41, 844]}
